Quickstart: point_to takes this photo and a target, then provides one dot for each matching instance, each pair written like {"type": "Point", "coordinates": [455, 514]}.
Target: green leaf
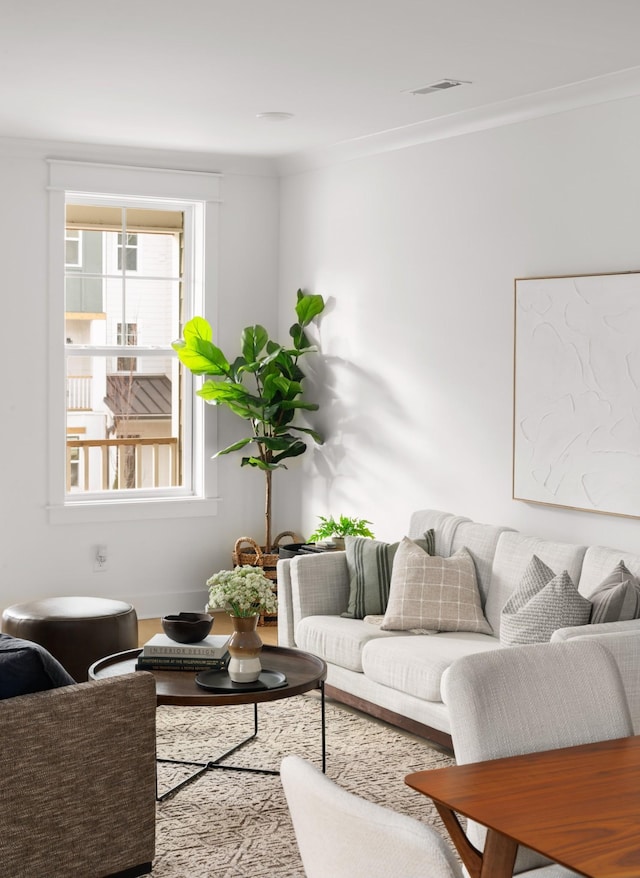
{"type": "Point", "coordinates": [197, 351]}
{"type": "Point", "coordinates": [254, 340]}
{"type": "Point", "coordinates": [308, 307]}
{"type": "Point", "coordinates": [235, 396]}
{"type": "Point", "coordinates": [299, 337]}
{"type": "Point", "coordinates": [288, 404]}
{"type": "Point", "coordinates": [278, 443]}
{"type": "Point", "coordinates": [221, 391]}
{"type": "Point", "coordinates": [201, 357]}
{"type": "Point", "coordinates": [257, 462]}
{"type": "Point", "coordinates": [198, 327]}
{"type": "Point", "coordinates": [294, 450]}
{"type": "Point", "coordinates": [309, 432]}
{"type": "Point", "coordinates": [235, 447]}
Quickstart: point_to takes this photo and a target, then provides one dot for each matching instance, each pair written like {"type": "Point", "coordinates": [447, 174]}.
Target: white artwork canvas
{"type": "Point", "coordinates": [576, 431]}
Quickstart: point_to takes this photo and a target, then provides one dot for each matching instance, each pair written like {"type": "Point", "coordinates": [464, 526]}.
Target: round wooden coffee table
{"type": "Point", "coordinates": [304, 672]}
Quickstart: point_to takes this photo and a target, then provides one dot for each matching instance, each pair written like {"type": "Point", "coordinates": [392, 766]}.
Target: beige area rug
{"type": "Point", "coordinates": [231, 824]}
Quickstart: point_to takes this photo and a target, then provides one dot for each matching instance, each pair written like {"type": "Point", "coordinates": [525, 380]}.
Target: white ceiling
{"type": "Point", "coordinates": [193, 74]}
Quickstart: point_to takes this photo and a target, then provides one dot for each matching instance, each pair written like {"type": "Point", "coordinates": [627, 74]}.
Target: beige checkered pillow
{"type": "Point", "coordinates": [433, 593]}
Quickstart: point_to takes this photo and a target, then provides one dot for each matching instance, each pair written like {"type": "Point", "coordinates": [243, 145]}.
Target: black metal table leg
{"type": "Point", "coordinates": [324, 734]}
{"type": "Point", "coordinates": [211, 764]}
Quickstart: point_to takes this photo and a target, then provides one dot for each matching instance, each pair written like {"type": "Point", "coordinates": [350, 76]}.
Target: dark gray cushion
{"type": "Point", "coordinates": [370, 563]}
{"type": "Point", "coordinates": [617, 598]}
{"type": "Point", "coordinates": [27, 667]}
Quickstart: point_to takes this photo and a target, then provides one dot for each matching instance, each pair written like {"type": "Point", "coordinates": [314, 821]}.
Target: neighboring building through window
{"type": "Point", "coordinates": [130, 252]}
{"type": "Point", "coordinates": [134, 434]}
{"type": "Point", "coordinates": [127, 335]}
{"type": "Point", "coordinates": [72, 247]}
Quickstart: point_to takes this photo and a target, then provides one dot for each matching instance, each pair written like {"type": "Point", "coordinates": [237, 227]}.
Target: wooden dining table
{"type": "Point", "coordinates": [579, 806]}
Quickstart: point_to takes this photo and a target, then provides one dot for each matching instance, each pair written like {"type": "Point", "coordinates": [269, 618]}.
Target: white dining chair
{"type": "Point", "coordinates": [342, 835]}
{"type": "Point", "coordinates": [524, 699]}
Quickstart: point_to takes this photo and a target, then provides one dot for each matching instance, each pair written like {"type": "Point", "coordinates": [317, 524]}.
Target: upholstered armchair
{"type": "Point", "coordinates": [526, 699]}
{"type": "Point", "coordinates": [77, 768]}
{"type": "Point", "coordinates": [344, 836]}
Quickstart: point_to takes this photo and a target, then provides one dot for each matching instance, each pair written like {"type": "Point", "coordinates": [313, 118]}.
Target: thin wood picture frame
{"type": "Point", "coordinates": [576, 392]}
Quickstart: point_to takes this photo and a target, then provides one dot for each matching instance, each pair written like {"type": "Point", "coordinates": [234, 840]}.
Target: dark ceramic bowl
{"type": "Point", "coordinates": [187, 627]}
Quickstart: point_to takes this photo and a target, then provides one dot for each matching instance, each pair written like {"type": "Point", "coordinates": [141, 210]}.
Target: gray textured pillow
{"type": "Point", "coordinates": [433, 593]}
{"type": "Point", "coordinates": [617, 597]}
{"type": "Point", "coordinates": [370, 563]}
{"type": "Point", "coordinates": [542, 603]}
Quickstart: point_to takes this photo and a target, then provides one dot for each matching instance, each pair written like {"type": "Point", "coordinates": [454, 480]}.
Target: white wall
{"type": "Point", "coordinates": [417, 251]}
{"type": "Point", "coordinates": [159, 565]}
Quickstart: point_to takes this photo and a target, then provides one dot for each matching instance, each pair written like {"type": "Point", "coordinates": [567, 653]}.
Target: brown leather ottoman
{"type": "Point", "coordinates": [75, 630]}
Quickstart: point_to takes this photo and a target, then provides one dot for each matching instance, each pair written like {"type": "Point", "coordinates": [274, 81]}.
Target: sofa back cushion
{"type": "Point", "coordinates": [481, 541]}
{"type": "Point", "coordinates": [443, 523]}
{"type": "Point", "coordinates": [513, 554]}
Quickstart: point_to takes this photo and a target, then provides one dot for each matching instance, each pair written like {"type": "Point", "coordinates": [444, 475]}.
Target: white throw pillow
{"type": "Point", "coordinates": [433, 593]}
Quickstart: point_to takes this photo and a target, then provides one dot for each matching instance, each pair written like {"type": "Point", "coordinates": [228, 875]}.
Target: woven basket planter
{"type": "Point", "coordinates": [247, 551]}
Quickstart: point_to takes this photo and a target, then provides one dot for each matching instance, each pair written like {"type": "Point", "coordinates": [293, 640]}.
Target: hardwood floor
{"type": "Point", "coordinates": [222, 625]}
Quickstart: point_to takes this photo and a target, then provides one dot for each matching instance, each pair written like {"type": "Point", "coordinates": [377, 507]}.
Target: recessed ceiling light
{"type": "Point", "coordinates": [274, 117]}
{"type": "Point", "coordinates": [440, 85]}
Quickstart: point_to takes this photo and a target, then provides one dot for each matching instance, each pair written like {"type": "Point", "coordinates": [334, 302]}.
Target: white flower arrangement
{"type": "Point", "coordinates": [243, 591]}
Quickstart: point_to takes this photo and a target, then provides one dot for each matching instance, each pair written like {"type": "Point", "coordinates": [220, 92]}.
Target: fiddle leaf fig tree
{"type": "Point", "coordinates": [262, 385]}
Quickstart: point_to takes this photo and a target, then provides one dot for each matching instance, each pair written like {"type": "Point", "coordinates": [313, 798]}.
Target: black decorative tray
{"type": "Point", "coordinates": [220, 681]}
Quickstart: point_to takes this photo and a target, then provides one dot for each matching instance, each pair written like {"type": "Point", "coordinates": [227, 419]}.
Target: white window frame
{"type": "Point", "coordinates": [198, 195]}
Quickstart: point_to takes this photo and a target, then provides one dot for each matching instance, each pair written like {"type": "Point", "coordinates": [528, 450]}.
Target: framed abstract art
{"type": "Point", "coordinates": [576, 423]}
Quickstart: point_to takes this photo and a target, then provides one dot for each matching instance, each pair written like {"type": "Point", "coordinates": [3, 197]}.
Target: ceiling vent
{"type": "Point", "coordinates": [441, 85]}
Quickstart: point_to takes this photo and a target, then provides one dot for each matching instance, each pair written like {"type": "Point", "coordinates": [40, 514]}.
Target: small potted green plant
{"type": "Point", "coordinates": [335, 530]}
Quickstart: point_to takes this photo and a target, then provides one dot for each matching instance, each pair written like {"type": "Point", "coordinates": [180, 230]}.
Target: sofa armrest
{"type": "Point", "coordinates": [314, 585]}
{"type": "Point", "coordinates": [600, 628]}
{"type": "Point", "coordinates": [623, 642]}
{"type": "Point", "coordinates": [78, 779]}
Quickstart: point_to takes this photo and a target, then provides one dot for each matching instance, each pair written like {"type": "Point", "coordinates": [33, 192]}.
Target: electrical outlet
{"type": "Point", "coordinates": [101, 562]}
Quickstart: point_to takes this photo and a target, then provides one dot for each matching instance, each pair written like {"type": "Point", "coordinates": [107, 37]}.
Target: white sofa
{"type": "Point", "coordinates": [396, 675]}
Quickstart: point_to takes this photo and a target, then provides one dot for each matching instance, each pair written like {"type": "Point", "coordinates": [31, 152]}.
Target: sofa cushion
{"type": "Point", "coordinates": [433, 593]}
{"type": "Point", "coordinates": [542, 603]}
{"type": "Point", "coordinates": [27, 667]}
{"type": "Point", "coordinates": [338, 640]}
{"type": "Point", "coordinates": [416, 665]}
{"type": "Point", "coordinates": [617, 597]}
{"type": "Point", "coordinates": [370, 563]}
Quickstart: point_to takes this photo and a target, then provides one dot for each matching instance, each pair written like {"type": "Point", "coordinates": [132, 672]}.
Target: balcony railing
{"type": "Point", "coordinates": [115, 464]}
{"type": "Point", "coordinates": [79, 393]}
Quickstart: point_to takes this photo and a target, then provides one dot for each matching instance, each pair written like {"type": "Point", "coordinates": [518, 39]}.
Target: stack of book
{"type": "Point", "coordinates": [162, 653]}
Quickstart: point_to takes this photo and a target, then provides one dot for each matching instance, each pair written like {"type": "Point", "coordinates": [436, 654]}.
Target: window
{"type": "Point", "coordinates": [130, 252]}
{"type": "Point", "coordinates": [130, 276]}
{"type": "Point", "coordinates": [127, 335]}
{"type": "Point", "coordinates": [73, 458]}
{"type": "Point", "coordinates": [72, 247]}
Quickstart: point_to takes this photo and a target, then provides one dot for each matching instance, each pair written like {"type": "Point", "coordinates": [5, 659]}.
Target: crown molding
{"type": "Point", "coordinates": [602, 89]}
{"type": "Point", "coordinates": [198, 162]}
